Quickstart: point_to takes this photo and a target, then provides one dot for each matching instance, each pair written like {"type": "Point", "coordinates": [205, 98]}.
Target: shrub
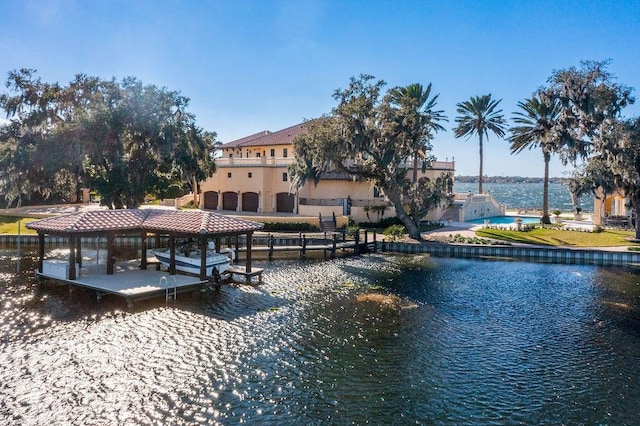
{"type": "Point", "coordinates": [384, 223]}
{"type": "Point", "coordinates": [457, 238]}
{"type": "Point", "coordinates": [430, 226]}
{"type": "Point", "coordinates": [289, 226]}
{"type": "Point", "coordinates": [352, 230]}
{"type": "Point", "coordinates": [188, 206]}
{"type": "Point", "coordinates": [394, 231]}
{"type": "Point", "coordinates": [173, 191]}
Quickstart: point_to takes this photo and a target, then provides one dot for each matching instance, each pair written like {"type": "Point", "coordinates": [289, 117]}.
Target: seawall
{"type": "Point", "coordinates": [522, 253]}
{"type": "Point", "coordinates": [566, 255]}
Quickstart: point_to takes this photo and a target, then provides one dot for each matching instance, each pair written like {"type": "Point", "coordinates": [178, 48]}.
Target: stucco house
{"type": "Point", "coordinates": [252, 177]}
{"type": "Point", "coordinates": [612, 209]}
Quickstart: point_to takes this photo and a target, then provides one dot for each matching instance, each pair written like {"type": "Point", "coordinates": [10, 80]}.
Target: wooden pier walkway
{"type": "Point", "coordinates": [330, 244]}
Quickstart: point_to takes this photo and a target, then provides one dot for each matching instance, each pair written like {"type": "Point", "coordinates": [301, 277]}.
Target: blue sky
{"type": "Point", "coordinates": [249, 66]}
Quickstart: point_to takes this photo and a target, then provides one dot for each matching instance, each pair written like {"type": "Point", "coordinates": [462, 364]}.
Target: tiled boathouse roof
{"type": "Point", "coordinates": [191, 222]}
{"type": "Point", "coordinates": [198, 222]}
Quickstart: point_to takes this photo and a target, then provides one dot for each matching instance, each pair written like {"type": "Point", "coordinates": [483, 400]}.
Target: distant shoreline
{"type": "Point", "coordinates": [507, 179]}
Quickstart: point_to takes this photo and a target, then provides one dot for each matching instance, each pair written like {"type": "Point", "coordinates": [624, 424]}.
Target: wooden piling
{"type": "Point", "coordinates": [333, 246]}
{"type": "Point", "coordinates": [303, 250]}
{"type": "Point", "coordinates": [375, 242]}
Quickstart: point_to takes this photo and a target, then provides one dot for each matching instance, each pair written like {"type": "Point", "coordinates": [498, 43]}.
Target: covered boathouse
{"type": "Point", "coordinates": [133, 280]}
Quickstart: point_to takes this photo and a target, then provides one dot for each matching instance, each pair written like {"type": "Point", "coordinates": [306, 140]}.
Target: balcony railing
{"type": "Point", "coordinates": [254, 162]}
{"type": "Point", "coordinates": [286, 161]}
{"type": "Point", "coordinates": [437, 165]}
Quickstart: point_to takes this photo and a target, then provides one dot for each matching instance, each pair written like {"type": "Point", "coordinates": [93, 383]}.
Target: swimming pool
{"type": "Point", "coordinates": [505, 220]}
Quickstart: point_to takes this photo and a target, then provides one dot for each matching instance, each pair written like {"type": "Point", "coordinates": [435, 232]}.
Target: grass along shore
{"type": "Point", "coordinates": [9, 225]}
{"type": "Point", "coordinates": [560, 237]}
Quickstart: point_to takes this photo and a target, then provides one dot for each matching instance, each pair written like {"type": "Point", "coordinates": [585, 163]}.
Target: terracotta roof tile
{"type": "Point", "coordinates": [250, 138]}
{"type": "Point", "coordinates": [181, 221]}
{"type": "Point", "coordinates": [199, 222]}
{"type": "Point", "coordinates": [335, 175]}
{"type": "Point", "coordinates": [281, 137]}
{"type": "Point", "coordinates": [91, 221]}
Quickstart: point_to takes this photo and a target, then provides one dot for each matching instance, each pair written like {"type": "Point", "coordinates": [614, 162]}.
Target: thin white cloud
{"type": "Point", "coordinates": [49, 11]}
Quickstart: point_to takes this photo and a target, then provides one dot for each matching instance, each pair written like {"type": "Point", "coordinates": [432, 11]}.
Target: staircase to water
{"type": "Point", "coordinates": [453, 213]}
{"type": "Point", "coordinates": [328, 224]}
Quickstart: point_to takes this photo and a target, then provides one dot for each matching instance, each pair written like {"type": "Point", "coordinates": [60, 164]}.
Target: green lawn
{"type": "Point", "coordinates": [9, 225]}
{"type": "Point", "coordinates": [557, 237]}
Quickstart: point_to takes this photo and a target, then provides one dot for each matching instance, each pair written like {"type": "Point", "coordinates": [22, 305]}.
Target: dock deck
{"type": "Point", "coordinates": [128, 281]}
{"type": "Point", "coordinates": [242, 271]}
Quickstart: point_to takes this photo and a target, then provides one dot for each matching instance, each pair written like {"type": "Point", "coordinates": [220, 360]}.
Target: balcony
{"type": "Point", "coordinates": [435, 165]}
{"type": "Point", "coordinates": [254, 162]}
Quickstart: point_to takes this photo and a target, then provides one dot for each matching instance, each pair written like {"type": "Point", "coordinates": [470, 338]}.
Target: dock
{"type": "Point", "coordinates": [127, 281]}
{"type": "Point", "coordinates": [329, 244]}
{"type": "Point", "coordinates": [242, 271]}
{"type": "Point", "coordinates": [133, 280]}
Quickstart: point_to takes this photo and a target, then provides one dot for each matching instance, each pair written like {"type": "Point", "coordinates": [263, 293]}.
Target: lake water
{"type": "Point", "coordinates": [528, 195]}
{"type": "Point", "coordinates": [377, 339]}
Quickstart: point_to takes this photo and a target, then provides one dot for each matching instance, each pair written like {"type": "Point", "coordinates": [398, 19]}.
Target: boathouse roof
{"type": "Point", "coordinates": [188, 222]}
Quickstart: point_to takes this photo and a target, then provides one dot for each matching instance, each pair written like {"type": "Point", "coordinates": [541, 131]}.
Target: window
{"type": "Point", "coordinates": [285, 152]}
{"type": "Point", "coordinates": [285, 177]}
{"type": "Point", "coordinates": [273, 152]}
{"type": "Point", "coordinates": [376, 192]}
{"type": "Point", "coordinates": [258, 154]}
{"type": "Point", "coordinates": [250, 175]}
{"type": "Point", "coordinates": [229, 174]}
{"type": "Point", "coordinates": [230, 155]}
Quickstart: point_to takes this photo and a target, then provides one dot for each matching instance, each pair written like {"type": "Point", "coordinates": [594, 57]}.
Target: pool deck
{"type": "Point", "coordinates": [128, 281]}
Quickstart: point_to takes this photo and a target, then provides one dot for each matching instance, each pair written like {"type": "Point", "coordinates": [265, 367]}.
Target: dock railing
{"type": "Point", "coordinates": [330, 243]}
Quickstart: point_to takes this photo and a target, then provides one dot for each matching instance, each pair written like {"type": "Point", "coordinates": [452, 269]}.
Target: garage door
{"type": "Point", "coordinates": [284, 202]}
{"type": "Point", "coordinates": [229, 201]}
{"type": "Point", "coordinates": [250, 202]}
{"type": "Point", "coordinates": [211, 200]}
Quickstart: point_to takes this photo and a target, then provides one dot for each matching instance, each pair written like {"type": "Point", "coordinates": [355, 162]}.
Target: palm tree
{"type": "Point", "coordinates": [479, 115]}
{"type": "Point", "coordinates": [425, 106]}
{"type": "Point", "coordinates": [535, 129]}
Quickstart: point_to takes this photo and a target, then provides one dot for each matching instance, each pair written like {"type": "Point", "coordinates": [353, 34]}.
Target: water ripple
{"type": "Point", "coordinates": [378, 339]}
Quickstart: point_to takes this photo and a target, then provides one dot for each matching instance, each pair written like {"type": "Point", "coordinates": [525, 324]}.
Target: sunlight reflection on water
{"type": "Point", "coordinates": [528, 195]}
{"type": "Point", "coordinates": [428, 340]}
